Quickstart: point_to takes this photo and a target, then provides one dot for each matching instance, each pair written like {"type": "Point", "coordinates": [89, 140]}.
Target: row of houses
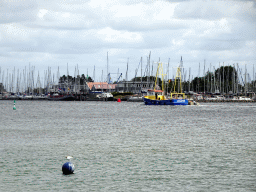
{"type": "Point", "coordinates": [124, 86]}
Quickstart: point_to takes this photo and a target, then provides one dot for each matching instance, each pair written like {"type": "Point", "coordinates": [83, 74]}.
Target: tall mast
{"type": "Point", "coordinates": [107, 68]}
{"type": "Point", "coordinates": [245, 81]}
{"type": "Point", "coordinates": [233, 79]}
{"type": "Point", "coordinates": [204, 77]}
{"type": "Point", "coordinates": [189, 80]}
{"type": "Point", "coordinates": [67, 79]}
{"type": "Point", "coordinates": [227, 83]}
{"type": "Point", "coordinates": [214, 80]}
{"type": "Point", "coordinates": [148, 74]}
{"type": "Point", "coordinates": [17, 85]}
{"type": "Point", "coordinates": [141, 75]}
{"type": "Point", "coordinates": [223, 79]}
{"type": "Point", "coordinates": [94, 74]}
{"type": "Point", "coordinates": [219, 79]}
{"type": "Point", "coordinates": [126, 75]}
{"type": "Point", "coordinates": [181, 74]}
{"type": "Point", "coordinates": [253, 79]}
{"type": "Point", "coordinates": [168, 74]}
{"type": "Point", "coordinates": [198, 78]}
{"type": "Point", "coordinates": [102, 81]}
{"type": "Point", "coordinates": [211, 75]}
{"type": "Point", "coordinates": [38, 84]}
{"type": "Point", "coordinates": [75, 78]}
{"type": "Point", "coordinates": [237, 79]}
{"type": "Point", "coordinates": [58, 75]}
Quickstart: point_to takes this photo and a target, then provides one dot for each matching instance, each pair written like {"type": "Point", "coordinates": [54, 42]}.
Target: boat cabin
{"type": "Point", "coordinates": [177, 95]}
{"type": "Point", "coordinates": [155, 94]}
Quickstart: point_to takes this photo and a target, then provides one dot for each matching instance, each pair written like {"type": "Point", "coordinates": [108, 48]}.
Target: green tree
{"type": "Point", "coordinates": [2, 88]}
{"type": "Point", "coordinates": [222, 79]}
{"type": "Point", "coordinates": [226, 77]}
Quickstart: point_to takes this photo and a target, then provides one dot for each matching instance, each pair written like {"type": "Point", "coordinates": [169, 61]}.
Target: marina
{"type": "Point", "coordinates": [226, 84]}
{"type": "Point", "coordinates": [128, 96]}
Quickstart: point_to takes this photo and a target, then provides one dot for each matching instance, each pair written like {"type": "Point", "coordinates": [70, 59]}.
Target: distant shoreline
{"type": "Point", "coordinates": [115, 100]}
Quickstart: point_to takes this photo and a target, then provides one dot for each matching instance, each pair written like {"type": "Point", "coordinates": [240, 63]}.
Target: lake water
{"type": "Point", "coordinates": [127, 146]}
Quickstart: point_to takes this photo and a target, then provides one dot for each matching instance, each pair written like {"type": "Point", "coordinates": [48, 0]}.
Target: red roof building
{"type": "Point", "coordinates": [101, 86]}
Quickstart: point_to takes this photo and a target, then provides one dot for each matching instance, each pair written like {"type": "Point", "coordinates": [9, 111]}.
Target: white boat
{"type": "Point", "coordinates": [104, 95]}
{"type": "Point", "coordinates": [243, 98]}
{"type": "Point", "coordinates": [220, 97]}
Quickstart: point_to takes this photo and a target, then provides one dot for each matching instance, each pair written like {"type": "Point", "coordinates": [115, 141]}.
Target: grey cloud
{"type": "Point", "coordinates": [13, 11]}
{"type": "Point", "coordinates": [137, 25]}
{"type": "Point", "coordinates": [213, 10]}
{"type": "Point", "coordinates": [191, 10]}
{"type": "Point", "coordinates": [219, 45]}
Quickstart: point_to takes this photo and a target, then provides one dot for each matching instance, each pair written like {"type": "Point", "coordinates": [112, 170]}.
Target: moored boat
{"type": "Point", "coordinates": [60, 97]}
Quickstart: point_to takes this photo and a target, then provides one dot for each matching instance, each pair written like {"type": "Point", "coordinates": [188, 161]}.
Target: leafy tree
{"type": "Point", "coordinates": [222, 78]}
{"type": "Point", "coordinates": [225, 78]}
{"type": "Point", "coordinates": [2, 88]}
{"type": "Point", "coordinates": [73, 80]}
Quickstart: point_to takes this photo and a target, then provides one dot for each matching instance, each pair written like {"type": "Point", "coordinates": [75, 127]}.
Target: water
{"type": "Point", "coordinates": [127, 146]}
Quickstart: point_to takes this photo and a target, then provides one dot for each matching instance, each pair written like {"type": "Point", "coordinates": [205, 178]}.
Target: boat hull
{"type": "Point", "coordinates": [62, 98]}
{"type": "Point", "coordinates": [165, 102]}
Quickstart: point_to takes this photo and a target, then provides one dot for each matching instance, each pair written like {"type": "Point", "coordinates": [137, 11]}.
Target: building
{"type": "Point", "coordinates": [135, 87]}
{"type": "Point", "coordinates": [101, 87]}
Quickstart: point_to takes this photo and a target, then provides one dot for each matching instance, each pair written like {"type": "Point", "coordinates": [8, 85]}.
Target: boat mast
{"type": "Point", "coordinates": [198, 78]}
{"type": "Point", "coordinates": [126, 76]}
{"type": "Point", "coordinates": [245, 81]}
{"type": "Point", "coordinates": [178, 75]}
{"type": "Point", "coordinates": [94, 73]}
{"type": "Point", "coordinates": [210, 75]}
{"type": "Point", "coordinates": [204, 77]}
{"type": "Point", "coordinates": [160, 72]}
{"type": "Point", "coordinates": [223, 79]}
{"type": "Point", "coordinates": [189, 79]}
{"type": "Point", "coordinates": [168, 75]}
{"type": "Point", "coordinates": [107, 69]}
{"type": "Point", "coordinates": [148, 76]}
{"type": "Point", "coordinates": [141, 75]}
{"type": "Point", "coordinates": [253, 78]}
{"type": "Point", "coordinates": [214, 85]}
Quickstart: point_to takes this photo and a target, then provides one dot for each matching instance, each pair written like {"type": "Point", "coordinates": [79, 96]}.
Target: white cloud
{"type": "Point", "coordinates": [114, 36]}
{"type": "Point", "coordinates": [82, 31]}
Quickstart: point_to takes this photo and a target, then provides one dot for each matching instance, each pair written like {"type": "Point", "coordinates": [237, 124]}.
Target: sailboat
{"type": "Point", "coordinates": [157, 97]}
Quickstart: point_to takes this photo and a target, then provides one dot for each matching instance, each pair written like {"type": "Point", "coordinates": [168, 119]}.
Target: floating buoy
{"type": "Point", "coordinates": [68, 167]}
{"type": "Point", "coordinates": [118, 100]}
{"type": "Point", "coordinates": [14, 108]}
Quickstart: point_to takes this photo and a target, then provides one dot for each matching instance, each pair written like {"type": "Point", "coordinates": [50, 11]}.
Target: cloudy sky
{"type": "Point", "coordinates": [52, 33]}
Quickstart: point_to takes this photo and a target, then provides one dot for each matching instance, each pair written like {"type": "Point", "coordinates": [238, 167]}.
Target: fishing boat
{"type": "Point", "coordinates": [60, 97]}
{"type": "Point", "coordinates": [157, 97]}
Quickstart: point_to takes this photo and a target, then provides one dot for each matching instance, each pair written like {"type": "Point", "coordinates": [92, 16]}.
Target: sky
{"type": "Point", "coordinates": [78, 35]}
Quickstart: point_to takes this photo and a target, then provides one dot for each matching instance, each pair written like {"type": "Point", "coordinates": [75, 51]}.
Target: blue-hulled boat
{"type": "Point", "coordinates": [157, 97]}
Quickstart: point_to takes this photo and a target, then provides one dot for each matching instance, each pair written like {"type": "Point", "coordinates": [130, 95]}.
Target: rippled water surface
{"type": "Point", "coordinates": [127, 146]}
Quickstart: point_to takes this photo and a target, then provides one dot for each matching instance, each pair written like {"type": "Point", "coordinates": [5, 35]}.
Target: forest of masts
{"type": "Point", "coordinates": [224, 79]}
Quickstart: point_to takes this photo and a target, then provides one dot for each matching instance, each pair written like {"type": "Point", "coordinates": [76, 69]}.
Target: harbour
{"type": "Point", "coordinates": [128, 96]}
{"type": "Point", "coordinates": [127, 146]}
